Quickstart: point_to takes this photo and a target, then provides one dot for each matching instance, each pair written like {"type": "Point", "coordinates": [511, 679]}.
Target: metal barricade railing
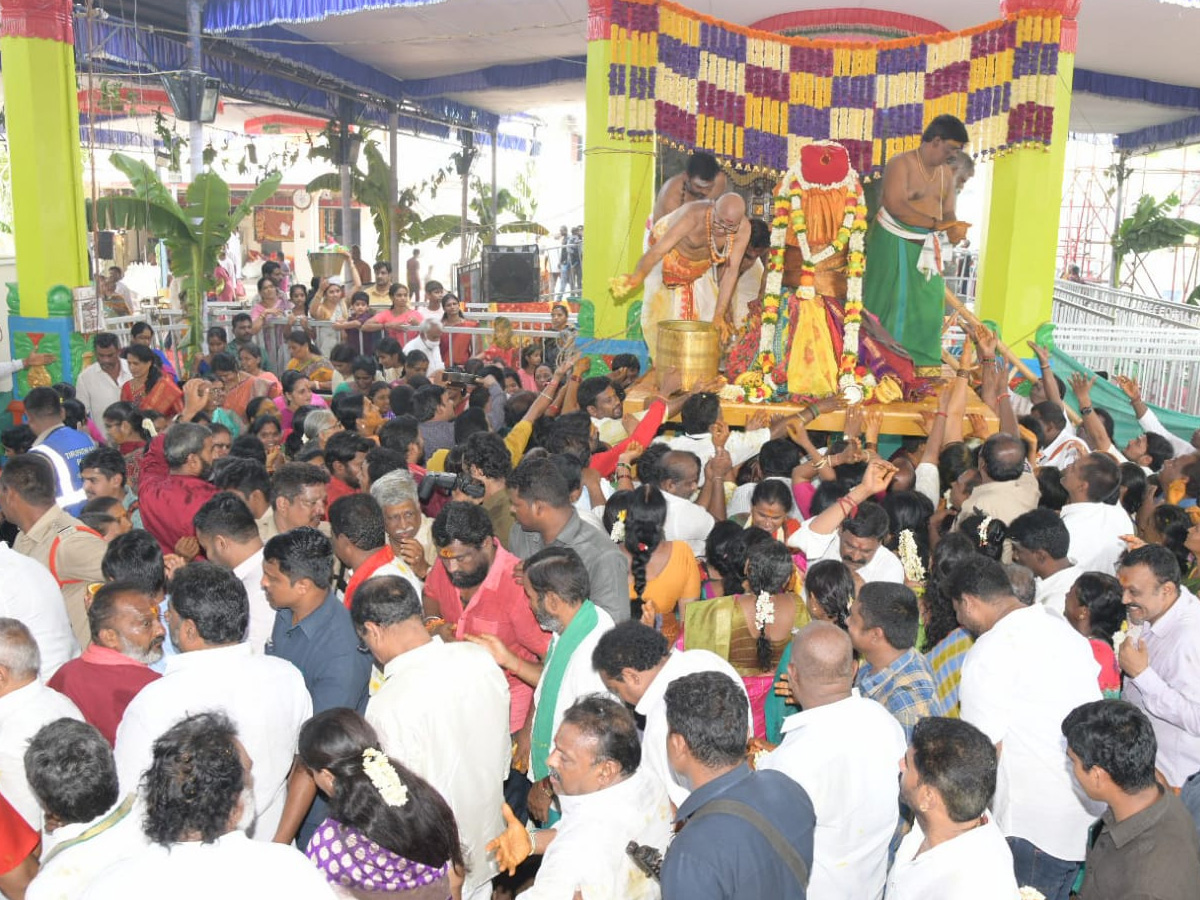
{"type": "Point", "coordinates": [1068, 312]}
{"type": "Point", "coordinates": [1166, 362]}
{"type": "Point", "coordinates": [1126, 307]}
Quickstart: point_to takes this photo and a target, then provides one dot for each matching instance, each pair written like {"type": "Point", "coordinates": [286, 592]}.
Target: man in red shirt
{"type": "Point", "coordinates": [345, 455]}
{"type": "Point", "coordinates": [127, 638]}
{"type": "Point", "coordinates": [18, 851]}
{"type": "Point", "coordinates": [174, 485]}
{"type": "Point", "coordinates": [472, 588]}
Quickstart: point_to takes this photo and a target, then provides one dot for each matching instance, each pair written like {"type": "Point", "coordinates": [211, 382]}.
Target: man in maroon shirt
{"type": "Point", "coordinates": [472, 587]}
{"type": "Point", "coordinates": [174, 485]}
{"type": "Point", "coordinates": [127, 638]}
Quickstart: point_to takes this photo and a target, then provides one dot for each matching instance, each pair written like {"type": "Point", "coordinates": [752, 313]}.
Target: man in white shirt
{"type": "Point", "coordinates": [1094, 518]}
{"type": "Point", "coordinates": [678, 478]}
{"type": "Point", "coordinates": [25, 706]}
{"type": "Point", "coordinates": [198, 783]}
{"type": "Point", "coordinates": [428, 341]}
{"type": "Point", "coordinates": [703, 410]}
{"type": "Point", "coordinates": [89, 826]}
{"type": "Point", "coordinates": [636, 663]}
{"type": "Point", "coordinates": [1063, 447]}
{"type": "Point", "coordinates": [842, 749]}
{"type": "Point", "coordinates": [1040, 543]}
{"type": "Point", "coordinates": [608, 801]}
{"type": "Point", "coordinates": [29, 594]}
{"type": "Point", "coordinates": [215, 670]}
{"type": "Point", "coordinates": [954, 850]}
{"type": "Point", "coordinates": [852, 530]}
{"type": "Point", "coordinates": [443, 712]}
{"type": "Point", "coordinates": [228, 534]}
{"type": "Point", "coordinates": [99, 385]}
{"type": "Point", "coordinates": [776, 460]}
{"type": "Point", "coordinates": [1027, 669]}
{"type": "Point", "coordinates": [1159, 658]}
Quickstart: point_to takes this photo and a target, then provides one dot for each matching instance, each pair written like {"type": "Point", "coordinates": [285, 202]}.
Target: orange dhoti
{"type": "Point", "coordinates": [668, 291]}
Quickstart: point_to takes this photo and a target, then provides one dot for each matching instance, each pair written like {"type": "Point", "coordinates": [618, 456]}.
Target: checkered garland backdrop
{"type": "Point", "coordinates": [752, 98]}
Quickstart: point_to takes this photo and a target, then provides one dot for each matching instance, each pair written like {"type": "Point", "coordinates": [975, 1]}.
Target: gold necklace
{"type": "Point", "coordinates": [920, 164]}
{"type": "Point", "coordinates": [715, 255]}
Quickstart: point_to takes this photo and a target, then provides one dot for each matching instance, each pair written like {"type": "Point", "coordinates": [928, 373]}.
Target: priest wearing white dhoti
{"type": "Point", "coordinates": [608, 801]}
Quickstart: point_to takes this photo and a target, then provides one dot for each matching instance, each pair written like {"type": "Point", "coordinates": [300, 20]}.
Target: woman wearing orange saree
{"type": "Point", "coordinates": [150, 388]}
{"type": "Point", "coordinates": [240, 387]}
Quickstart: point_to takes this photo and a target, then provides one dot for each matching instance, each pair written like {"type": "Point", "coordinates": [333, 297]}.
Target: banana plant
{"type": "Point", "coordinates": [193, 232]}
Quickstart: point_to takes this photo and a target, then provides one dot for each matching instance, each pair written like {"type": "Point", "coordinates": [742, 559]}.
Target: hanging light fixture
{"type": "Point", "coordinates": [194, 96]}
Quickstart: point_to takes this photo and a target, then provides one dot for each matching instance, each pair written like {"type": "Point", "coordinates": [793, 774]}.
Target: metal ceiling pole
{"type": "Point", "coordinates": [195, 127]}
{"type": "Point", "coordinates": [394, 188]}
{"type": "Point", "coordinates": [344, 170]}
{"type": "Point", "coordinates": [495, 197]}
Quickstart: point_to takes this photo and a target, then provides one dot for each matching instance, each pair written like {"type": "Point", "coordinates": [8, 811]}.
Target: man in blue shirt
{"type": "Point", "coordinates": [312, 631]}
{"type": "Point", "coordinates": [745, 835]}
{"type": "Point", "coordinates": [63, 446]}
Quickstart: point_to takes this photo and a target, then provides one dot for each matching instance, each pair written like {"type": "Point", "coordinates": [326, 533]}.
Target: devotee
{"type": "Point", "coordinates": [685, 244]}
{"type": "Point", "coordinates": [904, 287]}
{"type": "Point", "coordinates": [1062, 447]}
{"type": "Point", "coordinates": [443, 709]}
{"type": "Point", "coordinates": [127, 638]}
{"type": "Point", "coordinates": [345, 453]}
{"type": "Point", "coordinates": [1147, 843]}
{"type": "Point", "coordinates": [610, 804]}
{"type": "Point", "coordinates": [105, 474]}
{"type": "Point", "coordinates": [744, 835]}
{"type": "Point", "coordinates": [776, 461]}
{"type": "Point", "coordinates": [473, 594]}
{"type": "Point", "coordinates": [701, 179]}
{"type": "Point", "coordinates": [360, 543]}
{"type": "Point", "coordinates": [842, 749]}
{"type": "Point", "coordinates": [883, 628]}
{"type": "Point", "coordinates": [541, 505]}
{"type": "Point", "coordinates": [455, 348]}
{"type": "Point", "coordinates": [1040, 542]}
{"type": "Point", "coordinates": [243, 337]}
{"type": "Point", "coordinates": [62, 446]}
{"type": "Point", "coordinates": [207, 614]}
{"type": "Point", "coordinates": [1148, 450]}
{"type": "Point", "coordinates": [299, 497]}
{"type": "Point", "coordinates": [1162, 676]}
{"type": "Point", "coordinates": [1094, 518]}
{"type": "Point", "coordinates": [99, 384]}
{"type": "Point", "coordinates": [556, 584]}
{"type": "Point", "coordinates": [677, 476]}
{"type": "Point", "coordinates": [637, 664]}
{"type": "Point", "coordinates": [197, 787]}
{"type": "Point", "coordinates": [1148, 419]}
{"type": "Point", "coordinates": [65, 546]}
{"type": "Point", "coordinates": [378, 292]}
{"type": "Point", "coordinates": [25, 706]}
{"type": "Point", "coordinates": [248, 478]}
{"type": "Point", "coordinates": [428, 341]}
{"type": "Point", "coordinates": [31, 595]}
{"type": "Point", "coordinates": [948, 775]}
{"type": "Point", "coordinates": [626, 368]}
{"type": "Point", "coordinates": [381, 809]}
{"type": "Point", "coordinates": [1025, 672]}
{"type": "Point", "coordinates": [88, 824]}
{"type": "Point", "coordinates": [228, 534]}
{"type": "Point", "coordinates": [853, 529]}
{"type": "Point", "coordinates": [701, 412]}
{"type": "Point", "coordinates": [412, 274]}
{"type": "Point", "coordinates": [487, 459]}
{"type": "Point", "coordinates": [409, 531]}
{"type": "Point", "coordinates": [433, 407]}
{"type": "Point", "coordinates": [434, 291]}
{"type": "Point", "coordinates": [1005, 489]}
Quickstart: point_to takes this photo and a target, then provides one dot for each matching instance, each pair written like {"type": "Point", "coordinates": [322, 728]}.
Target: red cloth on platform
{"type": "Point", "coordinates": [101, 683]}
{"type": "Point", "coordinates": [169, 503]}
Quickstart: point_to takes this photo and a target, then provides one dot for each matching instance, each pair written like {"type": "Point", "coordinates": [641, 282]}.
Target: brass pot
{"type": "Point", "coordinates": [691, 347]}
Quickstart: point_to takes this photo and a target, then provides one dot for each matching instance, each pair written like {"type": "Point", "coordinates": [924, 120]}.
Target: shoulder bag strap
{"type": "Point", "coordinates": [779, 844]}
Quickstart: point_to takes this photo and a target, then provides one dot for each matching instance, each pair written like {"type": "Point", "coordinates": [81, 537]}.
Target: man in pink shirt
{"type": "Point", "coordinates": [471, 587]}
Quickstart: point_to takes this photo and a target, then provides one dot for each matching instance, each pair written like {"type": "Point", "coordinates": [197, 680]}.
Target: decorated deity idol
{"type": "Point", "coordinates": [811, 337]}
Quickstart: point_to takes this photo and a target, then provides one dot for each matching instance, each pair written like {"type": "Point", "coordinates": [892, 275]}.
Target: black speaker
{"type": "Point", "coordinates": [510, 274]}
{"type": "Point", "coordinates": [104, 245]}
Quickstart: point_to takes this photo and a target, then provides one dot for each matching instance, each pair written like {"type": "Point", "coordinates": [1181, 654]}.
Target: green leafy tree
{"type": "Point", "coordinates": [478, 225]}
{"type": "Point", "coordinates": [193, 232]}
{"type": "Point", "coordinates": [1150, 228]}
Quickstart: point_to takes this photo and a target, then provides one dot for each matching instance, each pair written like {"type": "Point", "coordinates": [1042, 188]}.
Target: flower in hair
{"type": "Point", "coordinates": [910, 557]}
{"type": "Point", "coordinates": [983, 530]}
{"type": "Point", "coordinates": [764, 611]}
{"type": "Point", "coordinates": [642, 547]}
{"type": "Point", "coordinates": [618, 529]}
{"type": "Point", "coordinates": [148, 427]}
{"type": "Point", "coordinates": [383, 776]}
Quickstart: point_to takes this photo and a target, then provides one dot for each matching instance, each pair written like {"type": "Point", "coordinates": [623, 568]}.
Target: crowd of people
{"type": "Point", "coordinates": [369, 626]}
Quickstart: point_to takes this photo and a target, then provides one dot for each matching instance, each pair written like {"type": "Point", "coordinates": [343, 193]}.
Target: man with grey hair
{"type": "Point", "coordinates": [175, 484]}
{"type": "Point", "coordinates": [409, 531]}
{"type": "Point", "coordinates": [429, 342]}
{"type": "Point", "coordinates": [25, 706]}
{"type": "Point", "coordinates": [1024, 584]}
{"type": "Point", "coordinates": [842, 749]}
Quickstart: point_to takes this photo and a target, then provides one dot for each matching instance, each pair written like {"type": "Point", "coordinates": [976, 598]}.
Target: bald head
{"type": "Point", "coordinates": [730, 208]}
{"type": "Point", "coordinates": [822, 664]}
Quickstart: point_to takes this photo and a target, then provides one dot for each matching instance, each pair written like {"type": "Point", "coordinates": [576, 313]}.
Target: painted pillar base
{"type": "Point", "coordinates": [1023, 209]}
{"type": "Point", "coordinates": [54, 334]}
{"type": "Point", "coordinates": [618, 198]}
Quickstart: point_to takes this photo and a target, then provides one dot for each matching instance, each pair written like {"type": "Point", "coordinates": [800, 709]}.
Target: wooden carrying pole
{"type": "Point", "coordinates": [1014, 360]}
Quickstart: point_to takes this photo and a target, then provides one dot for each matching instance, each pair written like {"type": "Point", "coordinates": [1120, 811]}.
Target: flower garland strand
{"type": "Point", "coordinates": [384, 777]}
{"type": "Point", "coordinates": [910, 558]}
{"type": "Point", "coordinates": [764, 611]}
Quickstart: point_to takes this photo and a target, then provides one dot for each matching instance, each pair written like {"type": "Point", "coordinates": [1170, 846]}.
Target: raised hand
{"type": "Point", "coordinates": [631, 452]}
{"type": "Point", "coordinates": [512, 847]}
{"type": "Point", "coordinates": [873, 424]}
{"type": "Point", "coordinates": [878, 476]}
{"type": "Point", "coordinates": [720, 434]}
{"type": "Point", "coordinates": [985, 340]}
{"type": "Point", "coordinates": [1081, 386]}
{"type": "Point", "coordinates": [979, 425]}
{"type": "Point", "coordinates": [1042, 354]}
{"type": "Point", "coordinates": [854, 421]}
{"type": "Point", "coordinates": [757, 420]}
{"type": "Point", "coordinates": [1132, 389]}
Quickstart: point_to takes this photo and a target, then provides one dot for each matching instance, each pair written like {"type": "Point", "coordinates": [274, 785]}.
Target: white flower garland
{"type": "Point", "coordinates": [383, 776]}
{"type": "Point", "coordinates": [764, 611]}
{"type": "Point", "coordinates": [910, 558]}
{"type": "Point", "coordinates": [983, 530]}
{"type": "Point", "coordinates": [618, 530]}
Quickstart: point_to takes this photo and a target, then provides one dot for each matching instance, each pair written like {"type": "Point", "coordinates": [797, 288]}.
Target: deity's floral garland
{"type": "Point", "coordinates": [788, 214]}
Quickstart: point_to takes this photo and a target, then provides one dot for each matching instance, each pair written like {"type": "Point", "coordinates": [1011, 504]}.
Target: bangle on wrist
{"type": "Point", "coordinates": [1086, 411]}
{"type": "Point", "coordinates": [871, 445]}
{"type": "Point", "coordinates": [940, 413]}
